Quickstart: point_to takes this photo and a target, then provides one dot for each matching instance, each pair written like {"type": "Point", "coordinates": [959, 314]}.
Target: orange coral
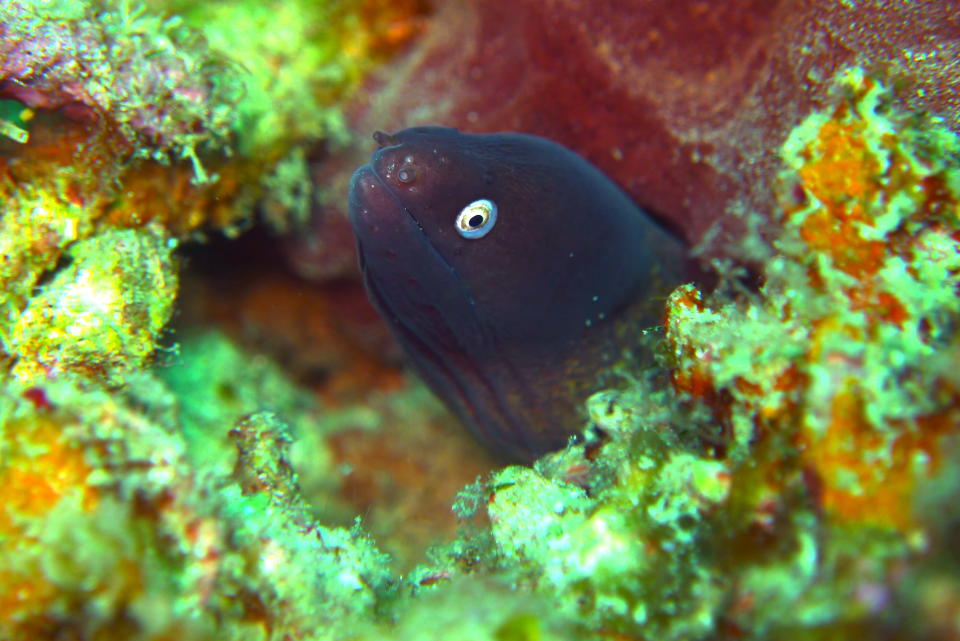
{"type": "Point", "coordinates": [836, 352]}
{"type": "Point", "coordinates": [844, 176]}
{"type": "Point", "coordinates": [41, 468]}
{"type": "Point", "coordinates": [869, 476]}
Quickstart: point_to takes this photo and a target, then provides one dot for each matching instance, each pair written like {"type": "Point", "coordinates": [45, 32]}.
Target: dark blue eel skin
{"type": "Point", "coordinates": [513, 321]}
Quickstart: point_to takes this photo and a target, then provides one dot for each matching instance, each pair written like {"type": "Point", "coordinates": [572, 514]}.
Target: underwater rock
{"type": "Point", "coordinates": [124, 65]}
{"type": "Point", "coordinates": [113, 528]}
{"type": "Point", "coordinates": [846, 346]}
{"type": "Point", "coordinates": [684, 104]}
{"type": "Point", "coordinates": [101, 316]}
{"type": "Point", "coordinates": [182, 115]}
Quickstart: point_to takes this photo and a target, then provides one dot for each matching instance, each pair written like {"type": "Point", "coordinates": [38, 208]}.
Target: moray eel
{"type": "Point", "coordinates": [513, 273]}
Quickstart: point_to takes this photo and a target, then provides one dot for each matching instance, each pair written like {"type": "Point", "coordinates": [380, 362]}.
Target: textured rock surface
{"type": "Point", "coordinates": [684, 103]}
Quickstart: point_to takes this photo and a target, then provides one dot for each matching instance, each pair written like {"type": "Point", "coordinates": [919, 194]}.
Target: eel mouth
{"type": "Point", "coordinates": [373, 201]}
{"type": "Point", "coordinates": [369, 198]}
{"type": "Point", "coordinates": [374, 207]}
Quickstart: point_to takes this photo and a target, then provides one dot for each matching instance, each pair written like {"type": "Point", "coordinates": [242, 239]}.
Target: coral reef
{"type": "Point", "coordinates": [123, 515]}
{"type": "Point", "coordinates": [108, 531]}
{"type": "Point", "coordinates": [116, 117]}
{"type": "Point", "coordinates": [96, 92]}
{"type": "Point", "coordinates": [134, 68]}
{"type": "Point", "coordinates": [790, 472]}
{"type": "Point", "coordinates": [101, 315]}
{"type": "Point", "coordinates": [832, 379]}
{"type": "Point", "coordinates": [626, 554]}
{"type": "Point", "coordinates": [858, 307]}
{"type": "Point", "coordinates": [186, 120]}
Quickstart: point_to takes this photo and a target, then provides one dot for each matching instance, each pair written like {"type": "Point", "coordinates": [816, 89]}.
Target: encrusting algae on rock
{"type": "Point", "coordinates": [102, 315]}
{"type": "Point", "coordinates": [784, 490]}
{"type": "Point", "coordinates": [195, 116]}
{"type": "Point", "coordinates": [120, 119]}
{"type": "Point", "coordinates": [119, 130]}
{"type": "Point", "coordinates": [108, 531]}
{"type": "Point", "coordinates": [791, 477]}
{"type": "Point", "coordinates": [833, 383]}
{"type": "Point", "coordinates": [845, 352]}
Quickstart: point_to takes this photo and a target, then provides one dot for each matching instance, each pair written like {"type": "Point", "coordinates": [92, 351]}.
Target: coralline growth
{"type": "Point", "coordinates": [109, 531]}
{"type": "Point", "coordinates": [118, 63]}
{"type": "Point", "coordinates": [845, 350]}
{"type": "Point", "coordinates": [120, 144]}
{"type": "Point", "coordinates": [796, 482]}
{"type": "Point", "coordinates": [830, 388]}
{"type": "Point", "coordinates": [793, 477]}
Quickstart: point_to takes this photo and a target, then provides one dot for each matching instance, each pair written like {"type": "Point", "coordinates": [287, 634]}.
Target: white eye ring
{"type": "Point", "coordinates": [477, 219]}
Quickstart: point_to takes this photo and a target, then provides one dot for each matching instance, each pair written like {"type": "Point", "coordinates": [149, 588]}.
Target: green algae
{"type": "Point", "coordinates": [288, 66]}
{"type": "Point", "coordinates": [168, 546]}
{"type": "Point", "coordinates": [216, 382]}
{"type": "Point", "coordinates": [291, 62]}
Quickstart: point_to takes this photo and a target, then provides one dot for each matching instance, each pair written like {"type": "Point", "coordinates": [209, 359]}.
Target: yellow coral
{"type": "Point", "coordinates": [35, 229]}
{"type": "Point", "coordinates": [102, 315]}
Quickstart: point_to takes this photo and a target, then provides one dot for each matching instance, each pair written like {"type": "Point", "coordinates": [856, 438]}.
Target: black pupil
{"type": "Point", "coordinates": [476, 220]}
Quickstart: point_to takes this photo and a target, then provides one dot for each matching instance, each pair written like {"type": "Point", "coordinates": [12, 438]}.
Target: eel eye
{"type": "Point", "coordinates": [477, 218]}
{"type": "Point", "coordinates": [406, 175]}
